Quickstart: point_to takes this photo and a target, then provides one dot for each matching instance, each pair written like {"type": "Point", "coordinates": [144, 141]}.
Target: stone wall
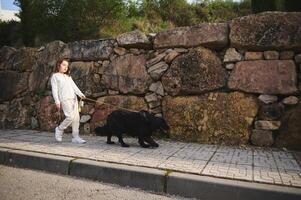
{"type": "Point", "coordinates": [230, 83]}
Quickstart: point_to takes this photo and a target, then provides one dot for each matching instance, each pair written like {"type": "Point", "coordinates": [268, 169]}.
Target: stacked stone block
{"type": "Point", "coordinates": [231, 83]}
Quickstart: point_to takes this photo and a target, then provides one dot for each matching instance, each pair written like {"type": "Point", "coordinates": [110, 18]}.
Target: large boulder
{"type": "Point", "coordinates": [266, 31]}
{"type": "Point", "coordinates": [46, 64]}
{"type": "Point", "coordinates": [213, 35]}
{"type": "Point", "coordinates": [270, 111]}
{"type": "Point", "coordinates": [134, 39]}
{"type": "Point", "coordinates": [3, 112]}
{"type": "Point", "coordinates": [48, 115]}
{"type": "Point", "coordinates": [80, 69]}
{"type": "Point", "coordinates": [83, 76]}
{"type": "Point", "coordinates": [195, 72]}
{"type": "Point", "coordinates": [5, 55]}
{"type": "Point", "coordinates": [264, 76]}
{"type": "Point", "coordinates": [52, 52]}
{"type": "Point", "coordinates": [157, 70]}
{"type": "Point", "coordinates": [127, 74]}
{"type": "Point", "coordinates": [14, 115]}
{"type": "Point", "coordinates": [106, 105]}
{"type": "Point", "coordinates": [289, 135]}
{"type": "Point", "coordinates": [216, 118]}
{"type": "Point", "coordinates": [89, 50]}
{"type": "Point", "coordinates": [12, 84]}
{"type": "Point", "coordinates": [262, 138]}
{"type": "Point", "coordinates": [22, 60]}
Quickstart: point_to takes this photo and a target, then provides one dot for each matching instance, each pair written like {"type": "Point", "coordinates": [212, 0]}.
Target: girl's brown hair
{"type": "Point", "coordinates": [59, 62]}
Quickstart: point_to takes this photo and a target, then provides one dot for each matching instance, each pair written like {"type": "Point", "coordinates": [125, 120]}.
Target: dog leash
{"type": "Point", "coordinates": [122, 108]}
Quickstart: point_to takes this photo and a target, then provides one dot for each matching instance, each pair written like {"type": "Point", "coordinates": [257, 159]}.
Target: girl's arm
{"type": "Point", "coordinates": [54, 88]}
{"type": "Point", "coordinates": [75, 88]}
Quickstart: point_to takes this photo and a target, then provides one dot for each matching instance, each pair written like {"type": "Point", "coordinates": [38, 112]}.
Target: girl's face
{"type": "Point", "coordinates": [63, 67]}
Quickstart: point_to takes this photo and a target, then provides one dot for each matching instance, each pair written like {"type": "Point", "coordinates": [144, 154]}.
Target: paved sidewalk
{"type": "Point", "coordinates": [270, 166]}
{"type": "Point", "coordinates": [201, 171]}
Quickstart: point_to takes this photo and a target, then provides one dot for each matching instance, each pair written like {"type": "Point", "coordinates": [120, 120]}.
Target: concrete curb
{"type": "Point", "coordinates": [187, 185]}
{"type": "Point", "coordinates": [139, 177]}
{"type": "Point", "coordinates": [205, 187]}
{"type": "Point", "coordinates": [3, 154]}
{"type": "Point", "coordinates": [38, 161]}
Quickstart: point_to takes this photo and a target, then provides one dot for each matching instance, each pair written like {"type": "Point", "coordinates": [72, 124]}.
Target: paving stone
{"type": "Point", "coordinates": [184, 164]}
{"type": "Point", "coordinates": [207, 147]}
{"type": "Point", "coordinates": [282, 154]}
{"type": "Point", "coordinates": [243, 172]}
{"type": "Point", "coordinates": [242, 153]}
{"type": "Point", "coordinates": [232, 171]}
{"type": "Point", "coordinates": [288, 164]}
{"type": "Point", "coordinates": [45, 134]}
{"type": "Point", "coordinates": [142, 160]}
{"type": "Point", "coordinates": [242, 160]}
{"type": "Point", "coordinates": [224, 149]}
{"type": "Point", "coordinates": [263, 153]}
{"type": "Point", "coordinates": [222, 157]}
{"type": "Point", "coordinates": [113, 155]}
{"type": "Point", "coordinates": [25, 132]}
{"type": "Point", "coordinates": [298, 157]}
{"type": "Point", "coordinates": [267, 162]}
{"type": "Point", "coordinates": [216, 169]}
{"type": "Point", "coordinates": [29, 138]}
{"type": "Point", "coordinates": [7, 143]}
{"type": "Point", "coordinates": [195, 152]}
{"type": "Point", "coordinates": [267, 175]}
{"type": "Point", "coordinates": [251, 164]}
{"type": "Point", "coordinates": [166, 150]}
{"type": "Point", "coordinates": [291, 178]}
{"type": "Point", "coordinates": [16, 133]}
{"type": "Point", "coordinates": [9, 135]}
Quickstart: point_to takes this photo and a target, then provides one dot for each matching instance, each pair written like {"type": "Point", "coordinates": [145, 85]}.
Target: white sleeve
{"type": "Point", "coordinates": [54, 88]}
{"type": "Point", "coordinates": [75, 88]}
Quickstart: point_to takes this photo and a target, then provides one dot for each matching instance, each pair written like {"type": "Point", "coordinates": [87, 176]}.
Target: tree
{"type": "Point", "coordinates": [66, 20]}
{"type": "Point", "coordinates": [177, 11]}
{"type": "Point", "coordinates": [85, 18]}
{"type": "Point", "coordinates": [134, 8]}
{"type": "Point", "coordinates": [25, 16]}
{"type": "Point", "coordinates": [10, 33]}
{"type": "Point", "coordinates": [260, 6]}
{"type": "Point", "coordinates": [276, 5]}
{"type": "Point", "coordinates": [292, 5]}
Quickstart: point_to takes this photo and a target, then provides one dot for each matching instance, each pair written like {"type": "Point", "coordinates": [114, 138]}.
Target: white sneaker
{"type": "Point", "coordinates": [78, 140]}
{"type": "Point", "coordinates": [58, 134]}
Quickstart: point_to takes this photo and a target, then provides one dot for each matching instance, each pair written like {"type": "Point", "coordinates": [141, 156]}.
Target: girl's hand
{"type": "Point", "coordinates": [58, 106]}
{"type": "Point", "coordinates": [83, 97]}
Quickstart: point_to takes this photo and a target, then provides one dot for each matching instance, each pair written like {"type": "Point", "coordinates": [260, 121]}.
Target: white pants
{"type": "Point", "coordinates": [70, 108]}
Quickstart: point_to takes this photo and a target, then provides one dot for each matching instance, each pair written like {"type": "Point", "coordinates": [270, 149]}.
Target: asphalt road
{"type": "Point", "coordinates": [24, 184]}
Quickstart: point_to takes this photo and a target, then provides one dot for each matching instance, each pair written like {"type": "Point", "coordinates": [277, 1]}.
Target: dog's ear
{"type": "Point", "coordinates": [146, 115]}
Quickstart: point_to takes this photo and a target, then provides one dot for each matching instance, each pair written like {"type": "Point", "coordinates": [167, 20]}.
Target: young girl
{"type": "Point", "coordinates": [64, 92]}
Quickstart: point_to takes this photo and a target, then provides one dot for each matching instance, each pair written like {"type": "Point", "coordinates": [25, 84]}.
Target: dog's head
{"type": "Point", "coordinates": [156, 123]}
{"type": "Point", "coordinates": [160, 125]}
{"type": "Point", "coordinates": [101, 131]}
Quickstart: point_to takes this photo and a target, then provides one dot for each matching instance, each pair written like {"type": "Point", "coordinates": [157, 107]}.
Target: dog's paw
{"type": "Point", "coordinates": [110, 142]}
{"type": "Point", "coordinates": [155, 145]}
{"type": "Point", "coordinates": [145, 146]}
{"type": "Point", "coordinates": [125, 145]}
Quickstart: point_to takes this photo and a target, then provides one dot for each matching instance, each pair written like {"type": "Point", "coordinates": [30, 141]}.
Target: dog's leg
{"type": "Point", "coordinates": [109, 140]}
{"type": "Point", "coordinates": [142, 144]}
{"type": "Point", "coordinates": [123, 144]}
{"type": "Point", "coordinates": [151, 141]}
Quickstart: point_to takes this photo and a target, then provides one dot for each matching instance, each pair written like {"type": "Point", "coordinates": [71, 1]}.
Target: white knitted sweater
{"type": "Point", "coordinates": [63, 88]}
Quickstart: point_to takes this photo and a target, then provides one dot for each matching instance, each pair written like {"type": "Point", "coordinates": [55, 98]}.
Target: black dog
{"type": "Point", "coordinates": [140, 124]}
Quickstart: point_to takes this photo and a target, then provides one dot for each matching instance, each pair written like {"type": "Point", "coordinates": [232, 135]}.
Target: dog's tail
{"type": "Point", "coordinates": [102, 130]}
